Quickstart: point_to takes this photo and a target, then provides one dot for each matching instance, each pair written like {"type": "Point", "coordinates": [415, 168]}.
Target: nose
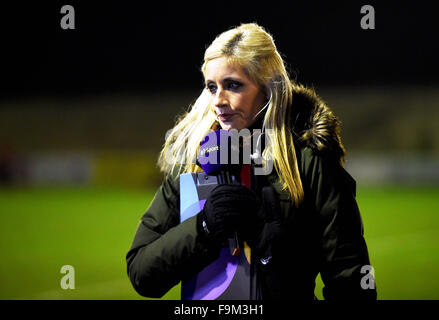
{"type": "Point", "coordinates": [220, 98]}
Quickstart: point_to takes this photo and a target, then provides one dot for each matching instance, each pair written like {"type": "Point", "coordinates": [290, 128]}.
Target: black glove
{"type": "Point", "coordinates": [225, 211]}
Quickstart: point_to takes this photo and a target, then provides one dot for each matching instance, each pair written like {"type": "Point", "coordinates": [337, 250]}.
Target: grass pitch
{"type": "Point", "coordinates": [91, 229]}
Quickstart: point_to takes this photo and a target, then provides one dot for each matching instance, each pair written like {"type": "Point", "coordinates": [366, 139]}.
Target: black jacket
{"type": "Point", "coordinates": [324, 234]}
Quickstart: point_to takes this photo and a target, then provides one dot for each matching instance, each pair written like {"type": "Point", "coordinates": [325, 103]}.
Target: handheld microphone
{"type": "Point", "coordinates": [216, 153]}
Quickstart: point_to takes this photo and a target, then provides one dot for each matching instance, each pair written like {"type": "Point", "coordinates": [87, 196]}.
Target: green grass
{"type": "Point", "coordinates": [87, 228]}
{"type": "Point", "coordinates": [402, 233]}
{"type": "Point", "coordinates": [92, 228]}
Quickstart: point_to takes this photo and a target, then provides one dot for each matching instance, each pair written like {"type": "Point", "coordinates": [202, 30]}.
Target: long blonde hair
{"type": "Point", "coordinates": [252, 48]}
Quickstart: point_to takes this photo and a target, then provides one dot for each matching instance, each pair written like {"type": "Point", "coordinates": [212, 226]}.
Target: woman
{"type": "Point", "coordinates": [306, 220]}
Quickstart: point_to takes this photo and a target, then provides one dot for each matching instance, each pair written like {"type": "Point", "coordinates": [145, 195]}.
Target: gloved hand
{"type": "Point", "coordinates": [226, 209]}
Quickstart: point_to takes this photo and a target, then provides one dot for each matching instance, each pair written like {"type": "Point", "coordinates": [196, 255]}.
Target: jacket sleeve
{"type": "Point", "coordinates": [165, 251]}
{"type": "Point", "coordinates": [343, 251]}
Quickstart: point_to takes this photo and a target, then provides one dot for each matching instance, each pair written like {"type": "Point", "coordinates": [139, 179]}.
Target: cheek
{"type": "Point", "coordinates": [251, 107]}
{"type": "Point", "coordinates": [244, 104]}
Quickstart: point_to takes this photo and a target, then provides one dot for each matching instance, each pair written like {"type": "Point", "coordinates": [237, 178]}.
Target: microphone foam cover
{"type": "Point", "coordinates": [216, 152]}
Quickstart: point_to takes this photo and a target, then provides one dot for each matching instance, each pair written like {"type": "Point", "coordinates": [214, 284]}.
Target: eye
{"type": "Point", "coordinates": [211, 87]}
{"type": "Point", "coordinates": [234, 85]}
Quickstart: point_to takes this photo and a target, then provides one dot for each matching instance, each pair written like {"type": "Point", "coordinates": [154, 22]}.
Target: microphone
{"type": "Point", "coordinates": [215, 158]}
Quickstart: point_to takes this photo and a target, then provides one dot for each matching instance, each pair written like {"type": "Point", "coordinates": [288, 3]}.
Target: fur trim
{"type": "Point", "coordinates": [314, 124]}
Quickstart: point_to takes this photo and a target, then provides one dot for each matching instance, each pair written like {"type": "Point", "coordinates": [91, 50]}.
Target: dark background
{"type": "Point", "coordinates": [145, 47]}
{"type": "Point", "coordinates": [84, 113]}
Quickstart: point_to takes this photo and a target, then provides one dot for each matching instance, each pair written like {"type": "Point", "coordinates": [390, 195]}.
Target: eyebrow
{"type": "Point", "coordinates": [227, 78]}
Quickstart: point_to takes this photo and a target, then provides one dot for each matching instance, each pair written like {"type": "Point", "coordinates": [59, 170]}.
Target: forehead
{"type": "Point", "coordinates": [219, 68]}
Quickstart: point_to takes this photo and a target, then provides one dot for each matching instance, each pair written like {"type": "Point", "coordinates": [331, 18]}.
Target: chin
{"type": "Point", "coordinates": [232, 125]}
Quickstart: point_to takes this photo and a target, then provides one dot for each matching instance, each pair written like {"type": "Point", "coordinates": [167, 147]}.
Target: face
{"type": "Point", "coordinates": [236, 99]}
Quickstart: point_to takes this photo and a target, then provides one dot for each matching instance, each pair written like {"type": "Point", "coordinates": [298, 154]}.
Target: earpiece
{"type": "Point", "coordinates": [266, 105]}
{"type": "Point", "coordinates": [257, 154]}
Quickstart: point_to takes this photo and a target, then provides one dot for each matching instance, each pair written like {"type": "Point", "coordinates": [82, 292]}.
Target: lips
{"type": "Point", "coordinates": [226, 117]}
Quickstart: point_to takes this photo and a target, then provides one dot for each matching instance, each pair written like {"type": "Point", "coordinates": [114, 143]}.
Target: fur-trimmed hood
{"type": "Point", "coordinates": [314, 124]}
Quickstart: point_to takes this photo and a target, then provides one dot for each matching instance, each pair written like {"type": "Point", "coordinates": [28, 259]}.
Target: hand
{"type": "Point", "coordinates": [226, 209]}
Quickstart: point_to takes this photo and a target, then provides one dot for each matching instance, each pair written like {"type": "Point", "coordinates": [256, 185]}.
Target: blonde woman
{"type": "Point", "coordinates": [306, 222]}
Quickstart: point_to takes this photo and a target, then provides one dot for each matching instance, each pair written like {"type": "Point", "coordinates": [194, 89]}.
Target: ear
{"type": "Point", "coordinates": [268, 91]}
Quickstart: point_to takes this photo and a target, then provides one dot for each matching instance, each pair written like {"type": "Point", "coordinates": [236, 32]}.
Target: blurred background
{"type": "Point", "coordinates": [84, 112]}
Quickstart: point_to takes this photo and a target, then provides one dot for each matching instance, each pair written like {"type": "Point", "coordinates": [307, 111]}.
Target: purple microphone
{"type": "Point", "coordinates": [220, 157]}
{"type": "Point", "coordinates": [218, 154]}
